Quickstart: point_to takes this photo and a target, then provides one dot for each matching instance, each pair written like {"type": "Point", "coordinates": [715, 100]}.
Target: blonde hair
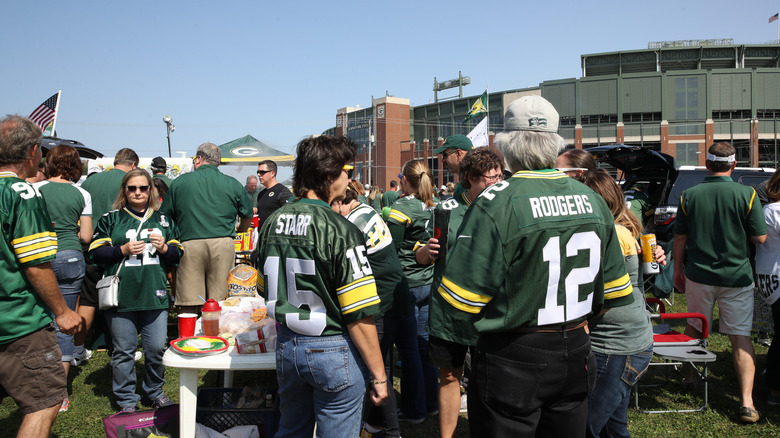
{"type": "Point", "coordinates": [418, 181]}
{"type": "Point", "coordinates": [121, 198]}
{"type": "Point", "coordinates": [603, 184]}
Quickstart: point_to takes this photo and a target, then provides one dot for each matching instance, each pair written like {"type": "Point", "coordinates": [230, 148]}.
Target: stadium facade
{"type": "Point", "coordinates": [674, 97]}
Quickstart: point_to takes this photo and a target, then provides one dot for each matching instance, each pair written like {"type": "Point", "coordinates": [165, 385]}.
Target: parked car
{"type": "Point", "coordinates": [658, 176]}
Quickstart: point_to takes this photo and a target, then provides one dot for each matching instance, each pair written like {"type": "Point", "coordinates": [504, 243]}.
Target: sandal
{"type": "Point", "coordinates": [748, 415]}
{"type": "Point", "coordinates": [64, 406]}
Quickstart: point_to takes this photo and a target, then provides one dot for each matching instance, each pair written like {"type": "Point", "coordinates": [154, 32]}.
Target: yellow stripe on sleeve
{"type": "Point", "coordinates": [33, 237]}
{"type": "Point", "coordinates": [618, 288]}
{"type": "Point", "coordinates": [28, 257]}
{"type": "Point", "coordinates": [461, 298]}
{"type": "Point", "coordinates": [398, 216]}
{"type": "Point", "coordinates": [357, 295]}
{"type": "Point", "coordinates": [99, 242]}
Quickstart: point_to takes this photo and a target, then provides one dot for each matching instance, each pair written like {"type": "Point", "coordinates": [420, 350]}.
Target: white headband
{"type": "Point", "coordinates": [729, 159]}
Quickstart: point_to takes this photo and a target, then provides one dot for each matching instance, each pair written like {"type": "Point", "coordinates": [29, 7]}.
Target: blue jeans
{"type": "Point", "coordinates": [608, 402]}
{"type": "Point", "coordinates": [386, 415]}
{"type": "Point", "coordinates": [124, 327]}
{"type": "Point", "coordinates": [68, 267]}
{"type": "Point", "coordinates": [322, 379]}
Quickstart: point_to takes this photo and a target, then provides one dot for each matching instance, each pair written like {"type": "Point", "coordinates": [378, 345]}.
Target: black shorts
{"type": "Point", "coordinates": [31, 371]}
{"type": "Point", "coordinates": [89, 295]}
{"type": "Point", "coordinates": [446, 354]}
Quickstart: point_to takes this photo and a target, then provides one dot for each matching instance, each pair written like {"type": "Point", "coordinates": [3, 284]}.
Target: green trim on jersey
{"type": "Point", "coordinates": [391, 284]}
{"type": "Point", "coordinates": [549, 245]}
{"type": "Point", "coordinates": [204, 203]}
{"type": "Point", "coordinates": [142, 280]}
{"type": "Point", "coordinates": [719, 216]}
{"type": "Point", "coordinates": [314, 271]}
{"type": "Point", "coordinates": [411, 224]}
{"type": "Point", "coordinates": [28, 239]}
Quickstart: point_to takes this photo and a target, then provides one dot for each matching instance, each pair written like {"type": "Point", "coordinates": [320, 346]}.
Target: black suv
{"type": "Point", "coordinates": [659, 177]}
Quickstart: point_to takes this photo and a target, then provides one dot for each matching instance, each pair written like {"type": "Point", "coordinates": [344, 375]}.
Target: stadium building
{"type": "Point", "coordinates": [676, 97]}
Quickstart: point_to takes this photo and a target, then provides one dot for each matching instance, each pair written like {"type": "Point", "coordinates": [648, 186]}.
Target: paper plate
{"type": "Point", "coordinates": [199, 345]}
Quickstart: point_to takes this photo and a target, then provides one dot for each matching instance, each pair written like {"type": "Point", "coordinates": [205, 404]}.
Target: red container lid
{"type": "Point", "coordinates": [211, 306]}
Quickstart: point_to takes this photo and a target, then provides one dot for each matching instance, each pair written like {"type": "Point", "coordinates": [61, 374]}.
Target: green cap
{"type": "Point", "coordinates": [458, 141]}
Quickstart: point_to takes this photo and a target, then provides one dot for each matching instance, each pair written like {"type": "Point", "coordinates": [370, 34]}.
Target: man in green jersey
{"type": "Point", "coordinates": [30, 370]}
{"type": "Point", "coordinates": [452, 152]}
{"type": "Point", "coordinates": [204, 205]}
{"type": "Point", "coordinates": [159, 167]}
{"type": "Point", "coordinates": [554, 260]}
{"type": "Point", "coordinates": [715, 224]}
{"type": "Point", "coordinates": [392, 195]}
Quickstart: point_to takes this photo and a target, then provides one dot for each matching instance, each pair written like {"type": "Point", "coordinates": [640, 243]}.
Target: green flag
{"type": "Point", "coordinates": [479, 107]}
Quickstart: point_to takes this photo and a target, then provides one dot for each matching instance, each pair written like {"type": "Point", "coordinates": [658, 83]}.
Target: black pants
{"type": "Point", "coordinates": [773, 356]}
{"type": "Point", "coordinates": [531, 384]}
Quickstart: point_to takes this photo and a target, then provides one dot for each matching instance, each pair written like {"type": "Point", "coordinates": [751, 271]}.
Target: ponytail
{"type": "Point", "coordinates": [419, 181]}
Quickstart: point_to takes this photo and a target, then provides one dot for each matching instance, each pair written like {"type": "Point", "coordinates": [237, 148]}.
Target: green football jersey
{"type": "Point", "coordinates": [142, 280]}
{"type": "Point", "coordinates": [444, 322]}
{"type": "Point", "coordinates": [66, 203]}
{"type": "Point", "coordinates": [391, 284]}
{"type": "Point", "coordinates": [389, 198]}
{"type": "Point", "coordinates": [639, 203]}
{"type": "Point", "coordinates": [28, 239]}
{"type": "Point", "coordinates": [314, 271]}
{"type": "Point", "coordinates": [411, 224]}
{"type": "Point", "coordinates": [545, 250]}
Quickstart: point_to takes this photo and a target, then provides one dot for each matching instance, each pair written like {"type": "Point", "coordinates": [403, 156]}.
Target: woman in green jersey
{"type": "Point", "coordinates": [411, 225]}
{"type": "Point", "coordinates": [140, 240]}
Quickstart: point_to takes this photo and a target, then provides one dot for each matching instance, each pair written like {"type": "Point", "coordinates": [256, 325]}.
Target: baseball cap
{"type": "Point", "coordinates": [443, 187]}
{"type": "Point", "coordinates": [458, 141]}
{"type": "Point", "coordinates": [368, 186]}
{"type": "Point", "coordinates": [531, 113]}
{"type": "Point", "coordinates": [159, 163]}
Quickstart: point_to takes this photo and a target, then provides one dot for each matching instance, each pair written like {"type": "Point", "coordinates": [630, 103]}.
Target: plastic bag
{"type": "Point", "coordinates": [259, 337]}
{"type": "Point", "coordinates": [242, 281]}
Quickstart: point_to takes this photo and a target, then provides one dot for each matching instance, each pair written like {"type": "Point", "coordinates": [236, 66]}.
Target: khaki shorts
{"type": "Point", "coordinates": [203, 270]}
{"type": "Point", "coordinates": [31, 371]}
{"type": "Point", "coordinates": [735, 305]}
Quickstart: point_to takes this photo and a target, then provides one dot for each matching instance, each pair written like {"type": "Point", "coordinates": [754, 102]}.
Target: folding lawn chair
{"type": "Point", "coordinates": [676, 349]}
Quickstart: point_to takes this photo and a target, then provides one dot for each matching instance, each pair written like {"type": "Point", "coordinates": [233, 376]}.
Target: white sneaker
{"type": "Point", "coordinates": [79, 359]}
{"type": "Point", "coordinates": [138, 356]}
{"type": "Point", "coordinates": [464, 406]}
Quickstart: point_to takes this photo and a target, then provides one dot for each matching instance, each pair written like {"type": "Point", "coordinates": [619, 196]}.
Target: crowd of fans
{"type": "Point", "coordinates": [518, 300]}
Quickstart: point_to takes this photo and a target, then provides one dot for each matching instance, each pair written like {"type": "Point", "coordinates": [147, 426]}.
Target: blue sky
{"type": "Point", "coordinates": [280, 70]}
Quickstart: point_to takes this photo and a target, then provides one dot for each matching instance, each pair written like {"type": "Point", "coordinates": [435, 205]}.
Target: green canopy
{"type": "Point", "coordinates": [248, 149]}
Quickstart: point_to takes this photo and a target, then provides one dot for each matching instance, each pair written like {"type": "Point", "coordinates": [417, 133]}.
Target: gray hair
{"type": "Point", "coordinates": [529, 150]}
{"type": "Point", "coordinates": [210, 153]}
{"type": "Point", "coordinates": [17, 136]}
{"type": "Point", "coordinates": [251, 178]}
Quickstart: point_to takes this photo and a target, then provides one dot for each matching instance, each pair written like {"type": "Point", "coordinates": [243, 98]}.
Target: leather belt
{"type": "Point", "coordinates": [551, 328]}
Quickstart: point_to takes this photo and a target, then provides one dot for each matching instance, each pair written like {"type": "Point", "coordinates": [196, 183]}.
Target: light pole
{"type": "Point", "coordinates": [169, 127]}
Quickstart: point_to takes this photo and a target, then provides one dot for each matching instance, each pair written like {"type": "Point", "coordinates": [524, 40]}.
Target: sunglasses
{"type": "Point", "coordinates": [349, 169]}
{"type": "Point", "coordinates": [132, 189]}
{"type": "Point", "coordinates": [263, 172]}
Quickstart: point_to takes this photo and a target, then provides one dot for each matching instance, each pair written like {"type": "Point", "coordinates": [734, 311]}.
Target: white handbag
{"type": "Point", "coordinates": [108, 286]}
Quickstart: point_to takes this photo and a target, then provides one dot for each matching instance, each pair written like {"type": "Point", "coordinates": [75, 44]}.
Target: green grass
{"type": "Point", "coordinates": [91, 400]}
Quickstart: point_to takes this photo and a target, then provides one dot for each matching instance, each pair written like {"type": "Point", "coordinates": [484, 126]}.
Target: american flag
{"type": "Point", "coordinates": [774, 17]}
{"type": "Point", "coordinates": [44, 114]}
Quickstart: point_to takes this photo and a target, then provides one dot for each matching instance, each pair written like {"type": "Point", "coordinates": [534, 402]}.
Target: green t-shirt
{"type": "Point", "coordinates": [537, 249]}
{"type": "Point", "coordinates": [411, 225]}
{"type": "Point", "coordinates": [142, 280]}
{"type": "Point", "coordinates": [164, 179]}
{"type": "Point", "coordinates": [28, 239]}
{"type": "Point", "coordinates": [314, 271]}
{"type": "Point", "coordinates": [103, 187]}
{"type": "Point", "coordinates": [719, 216]}
{"type": "Point", "coordinates": [389, 198]}
{"type": "Point", "coordinates": [376, 203]}
{"type": "Point", "coordinates": [204, 204]}
{"type": "Point", "coordinates": [66, 203]}
{"type": "Point", "coordinates": [444, 322]}
{"type": "Point", "coordinates": [391, 284]}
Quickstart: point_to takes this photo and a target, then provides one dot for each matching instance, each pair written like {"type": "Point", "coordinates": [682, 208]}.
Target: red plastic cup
{"type": "Point", "coordinates": [187, 324]}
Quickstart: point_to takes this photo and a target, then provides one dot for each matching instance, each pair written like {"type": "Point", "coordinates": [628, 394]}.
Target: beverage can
{"type": "Point", "coordinates": [648, 244]}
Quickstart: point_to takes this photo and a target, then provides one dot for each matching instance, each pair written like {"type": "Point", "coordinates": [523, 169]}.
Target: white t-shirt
{"type": "Point", "coordinates": [768, 256]}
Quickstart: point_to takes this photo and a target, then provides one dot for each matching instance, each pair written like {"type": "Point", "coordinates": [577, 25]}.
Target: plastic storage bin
{"type": "Point", "coordinates": [217, 410]}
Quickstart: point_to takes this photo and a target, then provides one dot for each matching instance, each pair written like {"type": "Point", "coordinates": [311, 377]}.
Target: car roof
{"type": "Point", "coordinates": [631, 159]}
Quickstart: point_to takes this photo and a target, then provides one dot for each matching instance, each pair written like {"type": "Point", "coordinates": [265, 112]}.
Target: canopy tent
{"type": "Point", "coordinates": [249, 150]}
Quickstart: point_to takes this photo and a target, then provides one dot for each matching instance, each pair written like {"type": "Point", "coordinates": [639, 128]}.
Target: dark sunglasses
{"type": "Point", "coordinates": [143, 189]}
{"type": "Point", "coordinates": [263, 172]}
{"type": "Point", "coordinates": [349, 169]}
